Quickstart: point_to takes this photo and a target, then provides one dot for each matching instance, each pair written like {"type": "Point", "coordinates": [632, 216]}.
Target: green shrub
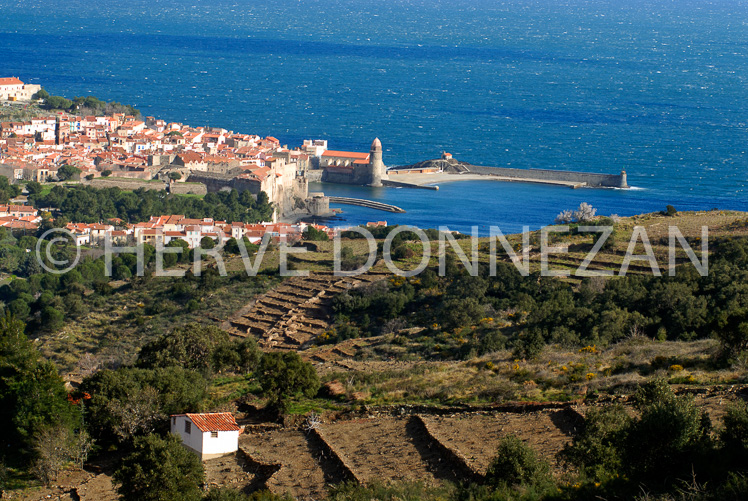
{"type": "Point", "coordinates": [396, 491]}
{"type": "Point", "coordinates": [669, 442]}
{"type": "Point", "coordinates": [597, 450]}
{"type": "Point", "coordinates": [735, 434]}
{"type": "Point", "coordinates": [286, 375]}
{"type": "Point", "coordinates": [160, 469]}
{"type": "Point", "coordinates": [191, 347]}
{"type": "Point", "coordinates": [516, 464]}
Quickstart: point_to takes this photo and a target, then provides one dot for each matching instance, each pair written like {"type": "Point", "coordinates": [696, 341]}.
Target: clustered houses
{"type": "Point", "coordinates": [132, 148]}
{"type": "Point", "coordinates": [20, 218]}
{"type": "Point", "coordinates": [162, 230]}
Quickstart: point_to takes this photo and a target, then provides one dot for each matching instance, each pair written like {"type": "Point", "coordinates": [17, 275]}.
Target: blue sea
{"type": "Point", "coordinates": [654, 87]}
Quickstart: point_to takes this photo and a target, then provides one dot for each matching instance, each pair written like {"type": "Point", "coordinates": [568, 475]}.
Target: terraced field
{"type": "Point", "coordinates": [411, 447]}
{"type": "Point", "coordinates": [475, 437]}
{"type": "Point", "coordinates": [293, 314]}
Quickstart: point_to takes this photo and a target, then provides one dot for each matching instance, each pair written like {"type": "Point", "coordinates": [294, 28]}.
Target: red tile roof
{"type": "Point", "coordinates": [10, 81]}
{"type": "Point", "coordinates": [217, 421]}
{"type": "Point", "coordinates": [345, 154]}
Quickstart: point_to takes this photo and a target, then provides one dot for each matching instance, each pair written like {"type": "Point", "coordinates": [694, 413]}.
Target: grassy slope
{"type": "Point", "coordinates": [394, 370]}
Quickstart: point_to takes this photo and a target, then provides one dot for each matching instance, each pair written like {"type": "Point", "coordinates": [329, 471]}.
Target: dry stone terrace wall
{"type": "Point", "coordinates": [292, 461]}
{"type": "Point", "coordinates": [293, 314]}
{"type": "Point", "coordinates": [426, 448]}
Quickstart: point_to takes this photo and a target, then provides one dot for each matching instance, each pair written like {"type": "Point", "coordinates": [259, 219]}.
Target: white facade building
{"type": "Point", "coordinates": [12, 89]}
{"type": "Point", "coordinates": [209, 435]}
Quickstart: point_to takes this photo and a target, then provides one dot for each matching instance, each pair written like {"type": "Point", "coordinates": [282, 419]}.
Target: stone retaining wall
{"type": "Point", "coordinates": [341, 464]}
{"type": "Point", "coordinates": [458, 461]}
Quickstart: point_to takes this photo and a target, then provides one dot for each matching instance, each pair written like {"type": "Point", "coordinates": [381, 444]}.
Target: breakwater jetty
{"type": "Point", "coordinates": [448, 169]}
{"type": "Point", "coordinates": [366, 203]}
{"type": "Point", "coordinates": [588, 179]}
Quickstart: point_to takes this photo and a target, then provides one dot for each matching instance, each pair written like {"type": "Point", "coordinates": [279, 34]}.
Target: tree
{"type": "Point", "coordinates": [733, 332]}
{"type": "Point", "coordinates": [671, 438]}
{"type": "Point", "coordinates": [51, 448]}
{"type": "Point", "coordinates": [128, 402]}
{"type": "Point", "coordinates": [52, 319]}
{"type": "Point", "coordinates": [231, 246]}
{"type": "Point", "coordinates": [32, 393]}
{"type": "Point", "coordinates": [735, 434]}
{"type": "Point", "coordinates": [670, 211]}
{"type": "Point", "coordinates": [191, 347]}
{"type": "Point", "coordinates": [57, 103]}
{"type": "Point", "coordinates": [160, 469]}
{"type": "Point", "coordinates": [19, 308]}
{"type": "Point", "coordinates": [249, 354]}
{"type": "Point", "coordinates": [175, 176]}
{"type": "Point", "coordinates": [564, 217]}
{"type": "Point", "coordinates": [597, 450]}
{"type": "Point", "coordinates": [584, 213]}
{"type": "Point", "coordinates": [33, 188]}
{"type": "Point", "coordinates": [106, 173]}
{"type": "Point", "coordinates": [286, 375]}
{"type": "Point", "coordinates": [40, 94]}
{"type": "Point", "coordinates": [207, 243]}
{"type": "Point", "coordinates": [312, 233]}
{"type": "Point", "coordinates": [668, 442]}
{"type": "Point", "coordinates": [67, 172]}
{"type": "Point", "coordinates": [55, 446]}
{"type": "Point", "coordinates": [7, 190]}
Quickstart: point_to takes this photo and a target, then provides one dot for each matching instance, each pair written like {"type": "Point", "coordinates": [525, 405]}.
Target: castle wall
{"type": "Point", "coordinates": [126, 184]}
{"type": "Point", "coordinates": [314, 176]}
{"type": "Point", "coordinates": [188, 189]}
{"type": "Point", "coordinates": [330, 176]}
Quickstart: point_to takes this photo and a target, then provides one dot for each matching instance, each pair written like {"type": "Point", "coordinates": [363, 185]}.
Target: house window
{"type": "Point", "coordinates": [187, 427]}
{"type": "Point", "coordinates": [213, 434]}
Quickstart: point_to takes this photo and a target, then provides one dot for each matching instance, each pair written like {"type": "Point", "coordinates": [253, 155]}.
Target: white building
{"type": "Point", "coordinates": [210, 435]}
{"type": "Point", "coordinates": [12, 89]}
{"type": "Point", "coordinates": [315, 147]}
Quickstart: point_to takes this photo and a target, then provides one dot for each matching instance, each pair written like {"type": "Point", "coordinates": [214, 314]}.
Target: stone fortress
{"type": "Point", "coordinates": [347, 167]}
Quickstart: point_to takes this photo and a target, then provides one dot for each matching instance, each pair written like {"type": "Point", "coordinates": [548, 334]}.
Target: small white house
{"type": "Point", "coordinates": [210, 435]}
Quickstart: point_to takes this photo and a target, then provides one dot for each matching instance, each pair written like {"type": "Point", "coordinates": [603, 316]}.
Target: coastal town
{"type": "Point", "coordinates": [132, 152]}
{"type": "Point", "coordinates": [190, 310]}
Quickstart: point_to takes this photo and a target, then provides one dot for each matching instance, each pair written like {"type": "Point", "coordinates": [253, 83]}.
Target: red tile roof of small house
{"type": "Point", "coordinates": [216, 421]}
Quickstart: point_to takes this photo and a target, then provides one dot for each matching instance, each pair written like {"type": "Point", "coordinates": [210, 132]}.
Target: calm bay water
{"type": "Point", "coordinates": [657, 88]}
